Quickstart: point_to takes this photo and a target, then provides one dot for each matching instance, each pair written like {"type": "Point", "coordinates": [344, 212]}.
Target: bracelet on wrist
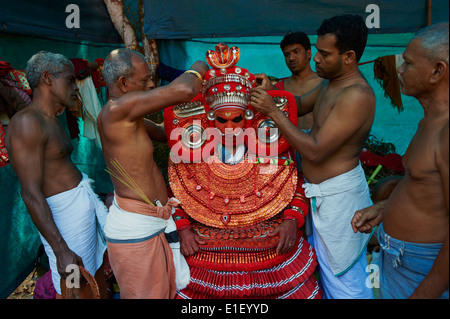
{"type": "Point", "coordinates": [195, 73]}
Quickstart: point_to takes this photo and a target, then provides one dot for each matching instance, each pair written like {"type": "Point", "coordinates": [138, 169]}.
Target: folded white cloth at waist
{"type": "Point", "coordinates": [333, 204]}
{"type": "Point", "coordinates": [127, 227]}
{"type": "Point", "coordinates": [80, 216]}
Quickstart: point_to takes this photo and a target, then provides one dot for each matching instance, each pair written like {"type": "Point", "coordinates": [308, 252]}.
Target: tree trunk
{"type": "Point", "coordinates": [121, 23]}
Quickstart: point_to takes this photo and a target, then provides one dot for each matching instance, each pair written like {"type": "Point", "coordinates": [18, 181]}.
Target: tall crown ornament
{"type": "Point", "coordinates": [225, 84]}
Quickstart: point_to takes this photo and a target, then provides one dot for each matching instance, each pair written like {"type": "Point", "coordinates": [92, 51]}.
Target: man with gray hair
{"type": "Point", "coordinates": [138, 250]}
{"type": "Point", "coordinates": [59, 198]}
{"type": "Point", "coordinates": [414, 220]}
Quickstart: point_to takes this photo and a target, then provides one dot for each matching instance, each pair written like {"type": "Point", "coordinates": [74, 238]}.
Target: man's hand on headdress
{"type": "Point", "coordinates": [263, 81]}
{"type": "Point", "coordinates": [262, 101]}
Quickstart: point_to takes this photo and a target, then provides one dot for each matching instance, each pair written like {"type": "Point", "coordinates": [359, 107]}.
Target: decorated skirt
{"type": "Point", "coordinates": [253, 273]}
{"type": "Point", "coordinates": [233, 209]}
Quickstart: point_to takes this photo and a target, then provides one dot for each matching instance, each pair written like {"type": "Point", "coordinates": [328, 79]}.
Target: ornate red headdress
{"type": "Point", "coordinates": [218, 194]}
{"type": "Point", "coordinates": [226, 85]}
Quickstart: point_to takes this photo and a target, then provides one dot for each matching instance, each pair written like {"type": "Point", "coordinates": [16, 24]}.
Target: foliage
{"type": "Point", "coordinates": [379, 147]}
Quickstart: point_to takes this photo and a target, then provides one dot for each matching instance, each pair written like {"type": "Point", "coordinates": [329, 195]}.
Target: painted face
{"type": "Point", "coordinates": [230, 122]}
{"type": "Point", "coordinates": [415, 71]}
{"type": "Point", "coordinates": [296, 57]}
{"type": "Point", "coordinates": [328, 60]}
{"type": "Point", "coordinates": [64, 88]}
{"type": "Point", "coordinates": [140, 80]}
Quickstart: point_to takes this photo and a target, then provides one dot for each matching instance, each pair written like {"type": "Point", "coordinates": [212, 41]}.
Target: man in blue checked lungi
{"type": "Point", "coordinates": [414, 231]}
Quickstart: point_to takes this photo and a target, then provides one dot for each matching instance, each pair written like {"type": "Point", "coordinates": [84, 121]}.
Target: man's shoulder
{"type": "Point", "coordinates": [116, 109]}
{"type": "Point", "coordinates": [26, 118]}
{"type": "Point", "coordinates": [359, 88]}
{"type": "Point", "coordinates": [110, 109]}
{"type": "Point", "coordinates": [28, 128]}
{"type": "Point", "coordinates": [357, 92]}
{"type": "Point", "coordinates": [356, 99]}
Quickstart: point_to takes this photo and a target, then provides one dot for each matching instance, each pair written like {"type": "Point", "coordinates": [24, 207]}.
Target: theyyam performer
{"type": "Point", "coordinates": [242, 201]}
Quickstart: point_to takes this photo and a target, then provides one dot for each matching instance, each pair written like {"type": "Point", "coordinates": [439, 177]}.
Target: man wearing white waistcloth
{"type": "Point", "coordinates": [143, 247]}
{"type": "Point", "coordinates": [60, 200]}
{"type": "Point", "coordinates": [335, 181]}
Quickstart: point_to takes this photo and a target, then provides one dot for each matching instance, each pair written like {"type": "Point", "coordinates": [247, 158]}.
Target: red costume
{"type": "Point", "coordinates": [4, 157]}
{"type": "Point", "coordinates": [233, 208]}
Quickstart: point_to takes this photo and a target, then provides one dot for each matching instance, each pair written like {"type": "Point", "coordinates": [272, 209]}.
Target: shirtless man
{"type": "Point", "coordinates": [304, 82]}
{"type": "Point", "coordinates": [343, 116]}
{"type": "Point", "coordinates": [414, 229]}
{"type": "Point", "coordinates": [139, 253]}
{"type": "Point", "coordinates": [58, 196]}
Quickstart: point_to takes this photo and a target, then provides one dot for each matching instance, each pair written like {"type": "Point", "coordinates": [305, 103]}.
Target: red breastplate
{"type": "Point", "coordinates": [230, 196]}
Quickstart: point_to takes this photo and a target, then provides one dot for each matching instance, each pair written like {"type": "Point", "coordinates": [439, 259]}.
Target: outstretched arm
{"type": "Point", "coordinates": [135, 105]}
{"type": "Point", "coordinates": [366, 219]}
{"type": "Point", "coordinates": [346, 118]}
{"type": "Point", "coordinates": [304, 106]}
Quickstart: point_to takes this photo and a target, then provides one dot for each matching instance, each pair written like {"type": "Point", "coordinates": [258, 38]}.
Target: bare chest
{"type": "Point", "coordinates": [323, 107]}
{"type": "Point", "coordinates": [296, 88]}
{"type": "Point", "coordinates": [58, 145]}
{"type": "Point", "coordinates": [420, 157]}
{"type": "Point", "coordinates": [304, 88]}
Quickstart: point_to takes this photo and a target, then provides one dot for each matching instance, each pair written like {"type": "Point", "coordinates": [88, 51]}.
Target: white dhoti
{"type": "Point", "coordinates": [80, 217]}
{"type": "Point", "coordinates": [131, 227]}
{"type": "Point", "coordinates": [339, 250]}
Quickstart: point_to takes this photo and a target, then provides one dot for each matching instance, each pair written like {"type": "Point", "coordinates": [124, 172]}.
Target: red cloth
{"type": "Point", "coordinates": [21, 78]}
{"type": "Point", "coordinates": [280, 85]}
{"type": "Point", "coordinates": [96, 74]}
{"type": "Point", "coordinates": [391, 161]}
{"type": "Point", "coordinates": [5, 68]}
{"type": "Point", "coordinates": [81, 68]}
{"type": "Point", "coordinates": [4, 158]}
